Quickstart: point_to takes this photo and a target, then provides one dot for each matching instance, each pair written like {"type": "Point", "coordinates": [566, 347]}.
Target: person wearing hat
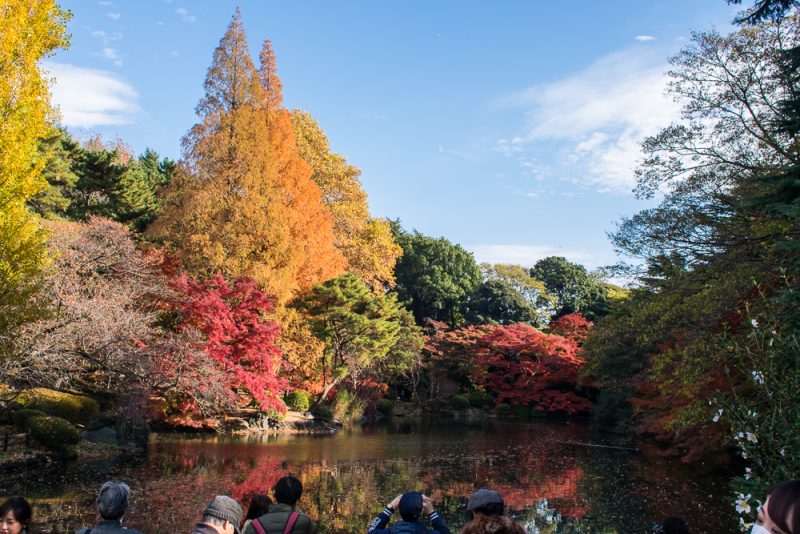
{"type": "Point", "coordinates": [486, 509]}
{"type": "Point", "coordinates": [411, 505]}
{"type": "Point", "coordinates": [222, 516]}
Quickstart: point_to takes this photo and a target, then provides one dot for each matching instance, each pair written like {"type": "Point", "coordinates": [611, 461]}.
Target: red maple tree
{"type": "Point", "coordinates": [237, 333]}
{"type": "Point", "coordinates": [521, 365]}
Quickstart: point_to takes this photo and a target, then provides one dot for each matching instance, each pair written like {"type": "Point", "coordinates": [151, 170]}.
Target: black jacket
{"type": "Point", "coordinates": [109, 526]}
{"type": "Point", "coordinates": [378, 525]}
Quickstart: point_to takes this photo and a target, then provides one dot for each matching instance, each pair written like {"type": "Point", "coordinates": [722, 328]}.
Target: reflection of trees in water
{"type": "Point", "coordinates": [345, 495]}
{"type": "Point", "coordinates": [549, 486]}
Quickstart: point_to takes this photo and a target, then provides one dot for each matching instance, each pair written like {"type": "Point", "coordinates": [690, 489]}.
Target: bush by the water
{"type": "Point", "coordinates": [503, 410]}
{"type": "Point", "coordinates": [347, 407]}
{"type": "Point", "coordinates": [74, 408]}
{"type": "Point", "coordinates": [53, 432]}
{"type": "Point", "coordinates": [21, 417]}
{"type": "Point", "coordinates": [386, 407]}
{"type": "Point", "coordinates": [323, 413]}
{"type": "Point", "coordinates": [460, 402]}
{"type": "Point", "coordinates": [298, 400]}
{"type": "Point", "coordinates": [479, 399]}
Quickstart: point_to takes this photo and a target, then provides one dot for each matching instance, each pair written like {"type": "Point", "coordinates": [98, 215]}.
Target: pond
{"type": "Point", "coordinates": [555, 478]}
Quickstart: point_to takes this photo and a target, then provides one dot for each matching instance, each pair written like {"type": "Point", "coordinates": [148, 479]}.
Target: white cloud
{"type": "Point", "coordinates": [106, 37]}
{"type": "Point", "coordinates": [89, 97]}
{"type": "Point", "coordinates": [526, 255]}
{"type": "Point", "coordinates": [174, 53]}
{"type": "Point", "coordinates": [507, 148]}
{"type": "Point", "coordinates": [600, 115]}
{"type": "Point", "coordinates": [111, 54]}
{"type": "Point", "coordinates": [184, 14]}
{"type": "Point", "coordinates": [113, 16]}
{"type": "Point", "coordinates": [644, 38]}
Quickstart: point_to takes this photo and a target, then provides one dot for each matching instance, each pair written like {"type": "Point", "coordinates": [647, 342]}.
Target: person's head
{"type": "Point", "coordinates": [780, 513]}
{"type": "Point", "coordinates": [113, 499]}
{"type": "Point", "coordinates": [288, 491]}
{"type": "Point", "coordinates": [15, 516]}
{"type": "Point", "coordinates": [410, 506]}
{"type": "Point", "coordinates": [259, 505]}
{"type": "Point", "coordinates": [224, 514]}
{"type": "Point", "coordinates": [485, 502]}
{"type": "Point", "coordinates": [675, 525]}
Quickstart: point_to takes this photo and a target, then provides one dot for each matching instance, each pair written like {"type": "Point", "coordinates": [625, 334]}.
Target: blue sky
{"type": "Point", "coordinates": [511, 128]}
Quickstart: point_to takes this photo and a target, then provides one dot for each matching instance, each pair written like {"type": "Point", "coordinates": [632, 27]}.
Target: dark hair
{"type": "Point", "coordinates": [492, 508]}
{"type": "Point", "coordinates": [783, 502]}
{"type": "Point", "coordinates": [675, 525]}
{"type": "Point", "coordinates": [288, 490]}
{"type": "Point", "coordinates": [259, 505]}
{"type": "Point", "coordinates": [20, 508]}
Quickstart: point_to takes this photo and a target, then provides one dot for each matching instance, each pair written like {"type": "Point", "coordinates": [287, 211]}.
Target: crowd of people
{"type": "Point", "coordinates": [779, 514]}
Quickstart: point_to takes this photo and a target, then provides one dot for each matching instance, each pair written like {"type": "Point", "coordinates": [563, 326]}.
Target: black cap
{"type": "Point", "coordinates": [482, 497]}
{"type": "Point", "coordinates": [410, 506]}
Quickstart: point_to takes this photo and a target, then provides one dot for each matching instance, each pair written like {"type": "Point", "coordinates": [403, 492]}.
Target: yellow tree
{"type": "Point", "coordinates": [243, 202]}
{"type": "Point", "coordinates": [29, 31]}
{"type": "Point", "coordinates": [365, 242]}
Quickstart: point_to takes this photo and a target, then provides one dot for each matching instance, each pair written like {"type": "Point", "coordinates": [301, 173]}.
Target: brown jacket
{"type": "Point", "coordinates": [494, 524]}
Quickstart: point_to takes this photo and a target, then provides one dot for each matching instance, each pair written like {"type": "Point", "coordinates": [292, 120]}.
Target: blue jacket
{"type": "Point", "coordinates": [378, 525]}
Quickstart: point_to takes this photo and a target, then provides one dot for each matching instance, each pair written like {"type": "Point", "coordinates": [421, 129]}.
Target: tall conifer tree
{"type": "Point", "coordinates": [242, 202]}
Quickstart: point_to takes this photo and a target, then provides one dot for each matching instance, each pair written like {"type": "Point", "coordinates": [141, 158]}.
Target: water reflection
{"type": "Point", "coordinates": [551, 481]}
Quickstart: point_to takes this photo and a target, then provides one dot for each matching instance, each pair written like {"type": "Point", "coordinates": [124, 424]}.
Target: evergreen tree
{"type": "Point", "coordinates": [61, 154]}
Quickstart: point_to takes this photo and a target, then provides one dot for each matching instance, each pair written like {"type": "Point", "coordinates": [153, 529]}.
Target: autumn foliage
{"type": "Point", "coordinates": [238, 336]}
{"type": "Point", "coordinates": [243, 202]}
{"type": "Point", "coordinates": [521, 365]}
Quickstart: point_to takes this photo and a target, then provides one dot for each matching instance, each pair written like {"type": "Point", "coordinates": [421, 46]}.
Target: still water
{"type": "Point", "coordinates": [553, 476]}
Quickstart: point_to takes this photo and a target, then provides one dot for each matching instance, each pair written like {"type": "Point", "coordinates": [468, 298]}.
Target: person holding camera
{"type": "Point", "coordinates": [411, 505]}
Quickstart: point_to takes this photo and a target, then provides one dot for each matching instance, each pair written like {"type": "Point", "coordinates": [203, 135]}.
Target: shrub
{"type": "Point", "coordinates": [436, 405]}
{"type": "Point", "coordinates": [479, 399]}
{"type": "Point", "coordinates": [386, 407]}
{"type": "Point", "coordinates": [74, 408]}
{"type": "Point", "coordinates": [503, 410]}
{"type": "Point", "coordinates": [347, 407]}
{"type": "Point", "coordinates": [520, 410]}
{"type": "Point", "coordinates": [323, 413]}
{"type": "Point", "coordinates": [298, 400]}
{"type": "Point", "coordinates": [21, 417]}
{"type": "Point", "coordinates": [53, 432]}
{"type": "Point", "coordinates": [460, 402]}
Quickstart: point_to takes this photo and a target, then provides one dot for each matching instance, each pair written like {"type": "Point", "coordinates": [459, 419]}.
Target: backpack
{"type": "Point", "coordinates": [287, 528]}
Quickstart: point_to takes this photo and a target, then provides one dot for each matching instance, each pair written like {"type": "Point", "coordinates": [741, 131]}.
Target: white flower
{"type": "Point", "coordinates": [717, 415]}
{"type": "Point", "coordinates": [752, 437]}
{"type": "Point", "coordinates": [752, 414]}
{"type": "Point", "coordinates": [742, 504]}
{"type": "Point", "coordinates": [744, 526]}
{"type": "Point", "coordinates": [754, 323]}
{"type": "Point", "coordinates": [783, 451]}
{"type": "Point", "coordinates": [758, 377]}
{"type": "Point", "coordinates": [740, 436]}
{"type": "Point", "coordinates": [748, 473]}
